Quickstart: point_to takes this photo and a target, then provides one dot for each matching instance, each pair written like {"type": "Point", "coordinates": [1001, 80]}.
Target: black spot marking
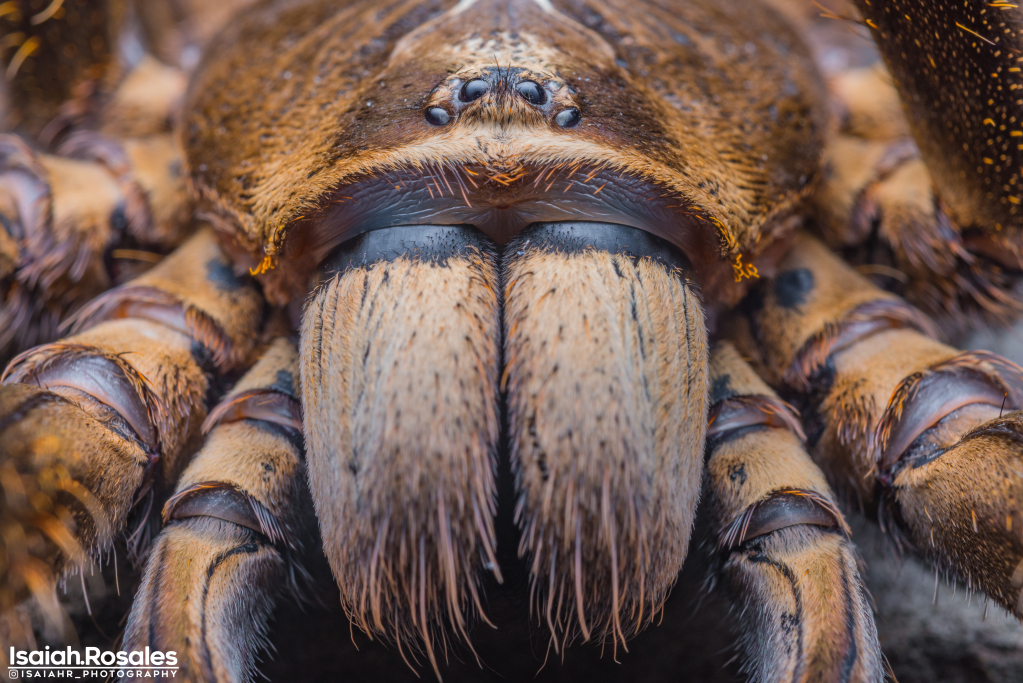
{"type": "Point", "coordinates": [792, 286]}
{"type": "Point", "coordinates": [789, 622]}
{"type": "Point", "coordinates": [220, 274]}
{"type": "Point", "coordinates": [284, 382]}
{"type": "Point", "coordinates": [118, 219]}
{"type": "Point", "coordinates": [738, 473]}
{"type": "Point", "coordinates": [721, 388]}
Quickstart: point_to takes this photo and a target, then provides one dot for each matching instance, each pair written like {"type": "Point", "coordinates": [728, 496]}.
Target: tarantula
{"type": "Point", "coordinates": [653, 251]}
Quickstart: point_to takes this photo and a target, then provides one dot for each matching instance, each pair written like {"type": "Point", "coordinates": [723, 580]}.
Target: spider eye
{"type": "Point", "coordinates": [473, 90]}
{"type": "Point", "coordinates": [532, 92]}
{"type": "Point", "coordinates": [436, 116]}
{"type": "Point", "coordinates": [567, 118]}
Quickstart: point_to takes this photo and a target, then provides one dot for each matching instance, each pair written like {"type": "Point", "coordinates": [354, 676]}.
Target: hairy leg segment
{"type": "Point", "coordinates": [92, 423]}
{"type": "Point", "coordinates": [897, 419]}
{"type": "Point", "coordinates": [781, 546]}
{"type": "Point", "coordinates": [81, 220]}
{"type": "Point", "coordinates": [239, 516]}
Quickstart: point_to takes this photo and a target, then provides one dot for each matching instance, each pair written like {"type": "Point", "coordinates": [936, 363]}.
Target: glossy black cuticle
{"type": "Point", "coordinates": [568, 118]}
{"type": "Point", "coordinates": [531, 92]}
{"type": "Point", "coordinates": [437, 116]}
{"type": "Point", "coordinates": [473, 90]}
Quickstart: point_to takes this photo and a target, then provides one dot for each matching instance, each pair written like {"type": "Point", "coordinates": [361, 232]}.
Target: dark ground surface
{"type": "Point", "coordinates": [924, 641]}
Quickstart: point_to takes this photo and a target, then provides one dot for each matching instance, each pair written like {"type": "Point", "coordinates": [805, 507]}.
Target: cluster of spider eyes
{"type": "Point", "coordinates": [530, 91]}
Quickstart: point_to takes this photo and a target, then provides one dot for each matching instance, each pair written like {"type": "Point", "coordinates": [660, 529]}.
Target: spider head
{"type": "Point", "coordinates": [486, 112]}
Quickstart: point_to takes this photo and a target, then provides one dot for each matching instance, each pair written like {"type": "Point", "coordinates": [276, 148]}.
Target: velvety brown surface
{"type": "Point", "coordinates": [297, 99]}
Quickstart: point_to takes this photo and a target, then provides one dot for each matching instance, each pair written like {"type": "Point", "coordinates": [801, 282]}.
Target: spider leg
{"type": "Point", "coordinates": [956, 67]}
{"type": "Point", "coordinates": [59, 215]}
{"type": "Point", "coordinates": [399, 380]}
{"type": "Point", "coordinates": [932, 206]}
{"type": "Point", "coordinates": [66, 213]}
{"type": "Point", "coordinates": [62, 214]}
{"type": "Point", "coordinates": [237, 518]}
{"type": "Point", "coordinates": [179, 31]}
{"type": "Point", "coordinates": [876, 205]}
{"type": "Point", "coordinates": [897, 417]}
{"type": "Point", "coordinates": [56, 62]}
{"type": "Point", "coordinates": [606, 379]}
{"type": "Point", "coordinates": [782, 545]}
{"type": "Point", "coordinates": [88, 424]}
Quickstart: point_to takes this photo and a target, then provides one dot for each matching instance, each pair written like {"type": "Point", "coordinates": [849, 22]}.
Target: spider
{"type": "Point", "coordinates": [309, 272]}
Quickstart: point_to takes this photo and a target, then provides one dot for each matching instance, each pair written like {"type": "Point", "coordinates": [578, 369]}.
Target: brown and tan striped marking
{"type": "Point", "coordinates": [240, 511]}
{"type": "Point", "coordinates": [784, 548]}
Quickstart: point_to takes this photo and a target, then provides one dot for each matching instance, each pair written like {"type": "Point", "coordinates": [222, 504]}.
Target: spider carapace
{"type": "Point", "coordinates": [295, 262]}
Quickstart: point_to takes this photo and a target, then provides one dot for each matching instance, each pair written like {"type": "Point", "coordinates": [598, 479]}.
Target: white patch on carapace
{"type": "Point", "coordinates": [463, 5]}
{"type": "Point", "coordinates": [509, 49]}
{"type": "Point", "coordinates": [460, 7]}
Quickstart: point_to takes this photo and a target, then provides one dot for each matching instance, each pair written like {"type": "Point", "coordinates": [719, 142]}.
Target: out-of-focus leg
{"type": "Point", "coordinates": [88, 424]}
{"type": "Point", "coordinates": [928, 201]}
{"type": "Point", "coordinates": [62, 215]}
